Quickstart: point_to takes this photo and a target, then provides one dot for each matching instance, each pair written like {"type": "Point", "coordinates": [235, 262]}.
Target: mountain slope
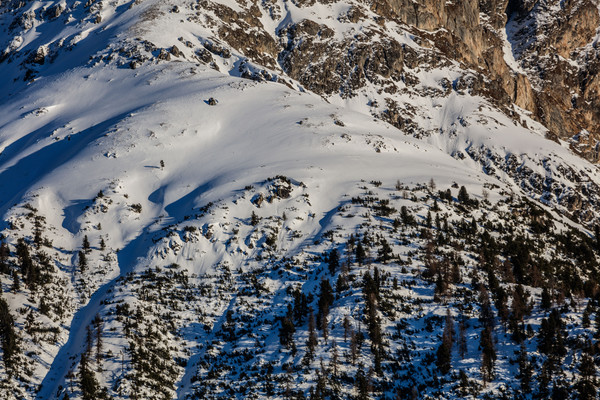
{"type": "Point", "coordinates": [185, 189]}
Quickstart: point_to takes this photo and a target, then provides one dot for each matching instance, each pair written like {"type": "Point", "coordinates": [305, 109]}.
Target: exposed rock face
{"type": "Point", "coordinates": [558, 82]}
{"type": "Point", "coordinates": [556, 44]}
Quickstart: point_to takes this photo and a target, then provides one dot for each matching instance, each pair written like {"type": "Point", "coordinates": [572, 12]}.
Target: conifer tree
{"type": "Point", "coordinates": [28, 269]}
{"type": "Point", "coordinates": [86, 245]}
{"type": "Point", "coordinates": [87, 380]}
{"type": "Point", "coordinates": [286, 332]}
{"type": "Point", "coordinates": [16, 285]}
{"type": "Point", "coordinates": [444, 352]}
{"type": "Point", "coordinates": [82, 261]}
{"type": "Point", "coordinates": [462, 338]}
{"type": "Point", "coordinates": [347, 327]}
{"type": "Point", "coordinates": [4, 253]}
{"type": "Point", "coordinates": [97, 321]}
{"type": "Point", "coordinates": [518, 311]}
{"type": "Point", "coordinates": [385, 252]}
{"type": "Point", "coordinates": [254, 219]}
{"type": "Point", "coordinates": [360, 254]}
{"type": "Point", "coordinates": [586, 386]}
{"type": "Point", "coordinates": [311, 343]}
{"type": "Point", "coordinates": [546, 299]}
{"type": "Point", "coordinates": [333, 261]}
{"type": "Point", "coordinates": [325, 301]}
{"type": "Point", "coordinates": [8, 336]}
{"type": "Point", "coordinates": [463, 196]}
{"type": "Point", "coordinates": [300, 307]}
{"type": "Point", "coordinates": [488, 354]}
{"type": "Point", "coordinates": [525, 370]}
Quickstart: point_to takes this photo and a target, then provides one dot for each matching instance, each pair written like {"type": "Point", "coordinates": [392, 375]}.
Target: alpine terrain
{"type": "Point", "coordinates": [299, 199]}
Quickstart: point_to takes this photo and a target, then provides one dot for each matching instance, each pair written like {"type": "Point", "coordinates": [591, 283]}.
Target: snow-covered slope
{"type": "Point", "coordinates": [170, 182]}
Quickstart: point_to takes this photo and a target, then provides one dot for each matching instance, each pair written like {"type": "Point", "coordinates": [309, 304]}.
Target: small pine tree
{"type": "Point", "coordinates": [360, 254]}
{"type": "Point", "coordinates": [87, 380]}
{"type": "Point", "coordinates": [82, 260]}
{"type": "Point", "coordinates": [286, 332]}
{"type": "Point", "coordinates": [546, 299]}
{"type": "Point", "coordinates": [585, 319]}
{"type": "Point", "coordinates": [385, 252]}
{"type": "Point", "coordinates": [8, 336]}
{"type": "Point", "coordinates": [488, 354]}
{"type": "Point", "coordinates": [462, 338]}
{"type": "Point", "coordinates": [463, 196]}
{"type": "Point", "coordinates": [586, 386]}
{"type": "Point", "coordinates": [525, 370]}
{"type": "Point", "coordinates": [311, 343]}
{"type": "Point", "coordinates": [333, 261]}
{"type": "Point", "coordinates": [4, 253]}
{"type": "Point", "coordinates": [86, 244]}
{"type": "Point", "coordinates": [325, 300]}
{"type": "Point", "coordinates": [444, 352]}
{"type": "Point", "coordinates": [16, 285]}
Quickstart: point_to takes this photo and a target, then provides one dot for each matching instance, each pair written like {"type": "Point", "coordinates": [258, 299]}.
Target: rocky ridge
{"type": "Point", "coordinates": [184, 265]}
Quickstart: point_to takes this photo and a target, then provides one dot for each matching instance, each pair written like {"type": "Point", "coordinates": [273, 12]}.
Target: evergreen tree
{"type": "Point", "coordinates": [463, 196]}
{"type": "Point", "coordinates": [4, 253]}
{"type": "Point", "coordinates": [16, 286]}
{"type": "Point", "coordinates": [362, 385]}
{"type": "Point", "coordinates": [586, 386]}
{"type": "Point", "coordinates": [29, 270]}
{"type": "Point", "coordinates": [544, 380]}
{"type": "Point", "coordinates": [86, 245]}
{"type": "Point", "coordinates": [546, 299]}
{"type": "Point", "coordinates": [525, 370]}
{"type": "Point", "coordinates": [254, 219]}
{"type": "Point", "coordinates": [333, 261]}
{"type": "Point", "coordinates": [406, 217]}
{"type": "Point", "coordinates": [342, 283]}
{"type": "Point", "coordinates": [286, 332]}
{"type": "Point", "coordinates": [462, 338]}
{"type": "Point", "coordinates": [444, 352]}
{"type": "Point", "coordinates": [87, 380]}
{"type": "Point", "coordinates": [518, 311]}
{"type": "Point", "coordinates": [300, 307]}
{"type": "Point", "coordinates": [325, 301]}
{"type": "Point", "coordinates": [360, 254]}
{"type": "Point", "coordinates": [488, 354]}
{"type": "Point", "coordinates": [585, 319]}
{"type": "Point", "coordinates": [82, 261]}
{"type": "Point", "coordinates": [8, 337]}
{"type": "Point", "coordinates": [385, 252]}
{"type": "Point", "coordinates": [97, 321]}
{"type": "Point", "coordinates": [311, 343]}
{"type": "Point", "coordinates": [551, 339]}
